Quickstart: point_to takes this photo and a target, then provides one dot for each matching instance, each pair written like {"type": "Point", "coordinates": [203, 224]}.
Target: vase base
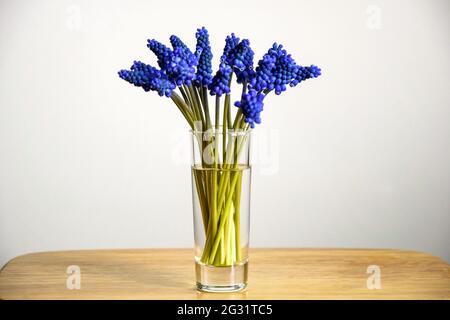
{"type": "Point", "coordinates": [221, 278]}
{"type": "Point", "coordinates": [230, 288]}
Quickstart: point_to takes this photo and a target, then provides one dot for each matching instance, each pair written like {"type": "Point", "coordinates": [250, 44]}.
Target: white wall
{"type": "Point", "coordinates": [359, 157]}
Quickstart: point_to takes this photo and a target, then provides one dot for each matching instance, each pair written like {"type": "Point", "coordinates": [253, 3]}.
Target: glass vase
{"type": "Point", "coordinates": [221, 178]}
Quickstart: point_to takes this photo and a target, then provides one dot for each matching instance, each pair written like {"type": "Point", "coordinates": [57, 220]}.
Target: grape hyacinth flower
{"type": "Point", "coordinates": [277, 69]}
{"type": "Point", "coordinates": [240, 57]}
{"type": "Point", "coordinates": [285, 69]}
{"type": "Point", "coordinates": [163, 53]}
{"type": "Point", "coordinates": [220, 83]}
{"type": "Point", "coordinates": [179, 64]}
{"type": "Point", "coordinates": [251, 105]}
{"type": "Point", "coordinates": [184, 51]}
{"type": "Point", "coordinates": [264, 78]}
{"type": "Point", "coordinates": [231, 42]}
{"type": "Point", "coordinates": [304, 73]}
{"type": "Point", "coordinates": [204, 55]}
{"type": "Point", "coordinates": [149, 78]}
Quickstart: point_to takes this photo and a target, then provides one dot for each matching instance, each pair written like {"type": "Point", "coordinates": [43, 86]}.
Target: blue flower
{"type": "Point", "coordinates": [231, 42]}
{"type": "Point", "coordinates": [304, 73]}
{"type": "Point", "coordinates": [203, 52]}
{"type": "Point", "coordinates": [178, 43]}
{"type": "Point", "coordinates": [149, 78]}
{"type": "Point", "coordinates": [181, 70]}
{"type": "Point", "coordinates": [163, 53]}
{"type": "Point", "coordinates": [220, 83]}
{"type": "Point", "coordinates": [179, 64]}
{"type": "Point", "coordinates": [285, 69]}
{"type": "Point", "coordinates": [240, 57]}
{"type": "Point", "coordinates": [183, 50]}
{"type": "Point", "coordinates": [275, 71]}
{"type": "Point", "coordinates": [251, 105]}
{"type": "Point", "coordinates": [264, 79]}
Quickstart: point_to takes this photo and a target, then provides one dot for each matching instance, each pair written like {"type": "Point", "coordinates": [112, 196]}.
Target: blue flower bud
{"type": "Point", "coordinates": [221, 81]}
{"type": "Point", "coordinates": [203, 52]}
{"type": "Point", "coordinates": [240, 58]}
{"type": "Point", "coordinates": [304, 73]}
{"type": "Point", "coordinates": [251, 105]}
{"type": "Point", "coordinates": [275, 70]}
{"type": "Point", "coordinates": [149, 78]}
{"type": "Point", "coordinates": [179, 64]}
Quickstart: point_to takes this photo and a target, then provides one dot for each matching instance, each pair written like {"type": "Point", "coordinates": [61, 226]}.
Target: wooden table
{"type": "Point", "coordinates": [273, 274]}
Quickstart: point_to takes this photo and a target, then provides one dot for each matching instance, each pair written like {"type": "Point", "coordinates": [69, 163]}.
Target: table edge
{"type": "Point", "coordinates": [391, 250]}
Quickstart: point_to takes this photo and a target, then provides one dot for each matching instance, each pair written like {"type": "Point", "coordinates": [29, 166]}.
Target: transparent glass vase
{"type": "Point", "coordinates": [221, 178]}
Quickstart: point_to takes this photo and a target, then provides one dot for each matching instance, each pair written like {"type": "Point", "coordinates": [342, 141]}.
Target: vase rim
{"type": "Point", "coordinates": [213, 130]}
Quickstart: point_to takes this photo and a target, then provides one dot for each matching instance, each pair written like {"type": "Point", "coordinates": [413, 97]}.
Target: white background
{"type": "Point", "coordinates": [356, 158]}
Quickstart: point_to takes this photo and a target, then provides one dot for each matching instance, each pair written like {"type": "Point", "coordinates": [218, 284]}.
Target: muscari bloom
{"type": "Point", "coordinates": [275, 70]}
{"type": "Point", "coordinates": [278, 69]}
{"type": "Point", "coordinates": [163, 53]}
{"type": "Point", "coordinates": [231, 42]}
{"type": "Point", "coordinates": [220, 83]}
{"type": "Point", "coordinates": [285, 69]}
{"type": "Point", "coordinates": [251, 105]}
{"type": "Point", "coordinates": [240, 58]}
{"type": "Point", "coordinates": [183, 51]}
{"type": "Point", "coordinates": [304, 73]}
{"type": "Point", "coordinates": [179, 64]}
{"type": "Point", "coordinates": [264, 79]}
{"type": "Point", "coordinates": [204, 55]}
{"type": "Point", "coordinates": [149, 78]}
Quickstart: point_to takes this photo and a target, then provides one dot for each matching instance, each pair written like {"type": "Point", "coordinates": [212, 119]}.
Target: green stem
{"type": "Point", "coordinates": [227, 101]}
{"type": "Point", "coordinates": [198, 105]}
{"type": "Point", "coordinates": [195, 111]}
{"type": "Point", "coordinates": [183, 107]}
{"type": "Point", "coordinates": [201, 196]}
{"type": "Point", "coordinates": [185, 97]}
{"type": "Point", "coordinates": [224, 129]}
{"type": "Point", "coordinates": [217, 115]}
{"type": "Point", "coordinates": [223, 241]}
{"type": "Point", "coordinates": [204, 93]}
{"type": "Point", "coordinates": [223, 219]}
{"type": "Point", "coordinates": [225, 193]}
{"type": "Point", "coordinates": [237, 218]}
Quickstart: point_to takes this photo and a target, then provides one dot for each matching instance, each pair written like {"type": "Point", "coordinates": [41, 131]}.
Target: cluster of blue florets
{"type": "Point", "coordinates": [163, 53]}
{"type": "Point", "coordinates": [184, 51]}
{"type": "Point", "coordinates": [180, 66]}
{"type": "Point", "coordinates": [240, 58]}
{"type": "Point", "coordinates": [231, 42]}
{"type": "Point", "coordinates": [304, 73]}
{"type": "Point", "coordinates": [220, 83]}
{"type": "Point", "coordinates": [149, 78]}
{"type": "Point", "coordinates": [264, 78]}
{"type": "Point", "coordinates": [251, 105]}
{"type": "Point", "coordinates": [276, 70]}
{"type": "Point", "coordinates": [204, 55]}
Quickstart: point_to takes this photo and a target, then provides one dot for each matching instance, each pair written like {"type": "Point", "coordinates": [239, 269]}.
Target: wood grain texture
{"type": "Point", "coordinates": [273, 274]}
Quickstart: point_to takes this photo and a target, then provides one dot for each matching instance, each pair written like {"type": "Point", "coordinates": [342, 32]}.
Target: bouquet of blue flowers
{"type": "Point", "coordinates": [187, 78]}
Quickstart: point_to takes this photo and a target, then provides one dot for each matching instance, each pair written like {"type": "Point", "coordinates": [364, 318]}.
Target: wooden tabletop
{"type": "Point", "coordinates": [273, 274]}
